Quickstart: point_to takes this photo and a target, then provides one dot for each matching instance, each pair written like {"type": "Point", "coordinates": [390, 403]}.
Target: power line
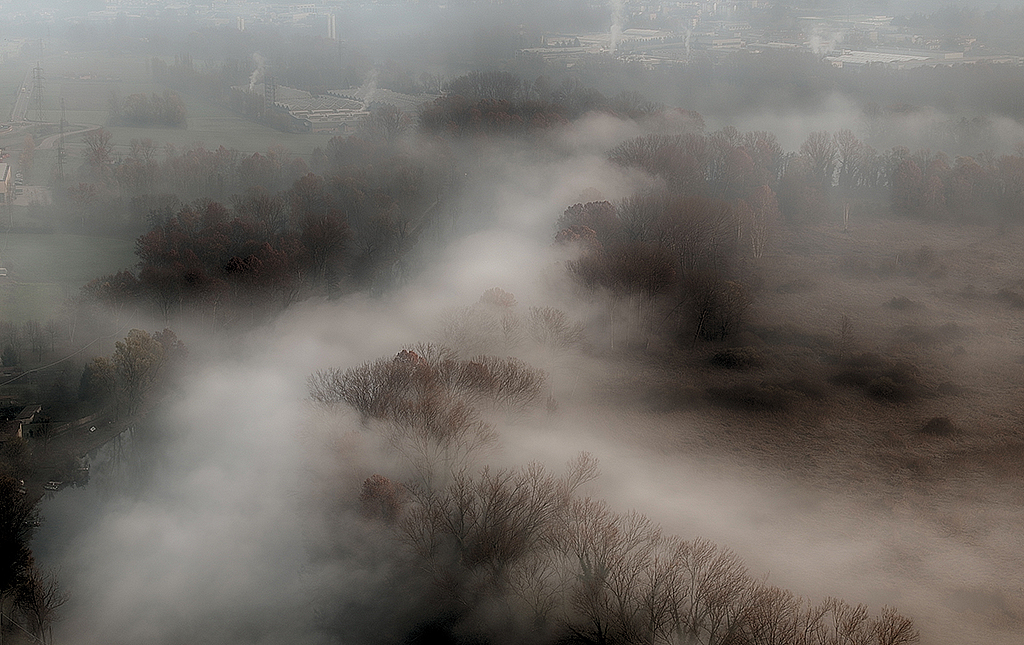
{"type": "Point", "coordinates": [76, 352]}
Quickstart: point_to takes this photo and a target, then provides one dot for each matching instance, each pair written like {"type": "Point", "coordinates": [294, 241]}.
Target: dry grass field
{"type": "Point", "coordinates": [902, 429]}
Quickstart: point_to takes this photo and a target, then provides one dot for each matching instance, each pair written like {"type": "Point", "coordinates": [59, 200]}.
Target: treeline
{"type": "Point", "coordinates": [483, 555]}
{"type": "Point", "coordinates": [204, 259]}
{"type": "Point", "coordinates": [142, 111]}
{"type": "Point", "coordinates": [32, 335]}
{"type": "Point", "coordinates": [278, 231]}
{"type": "Point", "coordinates": [502, 103]}
{"type": "Point", "coordinates": [376, 183]}
{"type": "Point", "coordinates": [828, 172]}
{"type": "Point", "coordinates": [352, 228]}
{"type": "Point", "coordinates": [968, 189]}
{"type": "Point", "coordinates": [456, 115]}
{"type": "Point", "coordinates": [210, 83]}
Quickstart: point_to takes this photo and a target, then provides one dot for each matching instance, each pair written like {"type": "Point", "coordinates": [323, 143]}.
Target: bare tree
{"type": "Point", "coordinates": [491, 325]}
{"type": "Point", "coordinates": [763, 219]}
{"type": "Point", "coordinates": [553, 330]}
{"type": "Point", "coordinates": [98, 151]}
{"type": "Point", "coordinates": [52, 329]}
{"type": "Point", "coordinates": [438, 435]}
{"type": "Point", "coordinates": [849, 153]}
{"type": "Point", "coordinates": [386, 122]}
{"type": "Point", "coordinates": [716, 305]}
{"type": "Point", "coordinates": [821, 150]}
{"type": "Point", "coordinates": [474, 533]}
{"type": "Point", "coordinates": [845, 337]}
{"type": "Point", "coordinates": [39, 597]}
{"type": "Point", "coordinates": [33, 331]}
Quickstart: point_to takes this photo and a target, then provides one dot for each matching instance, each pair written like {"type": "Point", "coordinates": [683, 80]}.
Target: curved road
{"type": "Point", "coordinates": [51, 140]}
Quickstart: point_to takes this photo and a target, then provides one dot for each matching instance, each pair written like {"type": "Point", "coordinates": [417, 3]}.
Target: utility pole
{"type": "Point", "coordinates": [60, 147]}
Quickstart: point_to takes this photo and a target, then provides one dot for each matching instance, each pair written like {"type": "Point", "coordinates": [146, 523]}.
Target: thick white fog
{"type": "Point", "coordinates": [209, 543]}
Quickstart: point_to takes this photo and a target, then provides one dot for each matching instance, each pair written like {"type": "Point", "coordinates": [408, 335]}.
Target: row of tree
{"type": "Point", "coordinates": [829, 169]}
{"type": "Point", "coordinates": [202, 259]}
{"type": "Point", "coordinates": [368, 175]}
{"type": "Point", "coordinates": [31, 335]}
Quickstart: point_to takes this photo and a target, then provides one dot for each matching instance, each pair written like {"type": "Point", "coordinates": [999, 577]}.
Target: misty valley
{"type": "Point", "coordinates": [556, 322]}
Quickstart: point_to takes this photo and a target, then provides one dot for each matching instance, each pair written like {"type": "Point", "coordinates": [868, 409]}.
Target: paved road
{"type": "Point", "coordinates": [24, 100]}
{"type": "Point", "coordinates": [51, 141]}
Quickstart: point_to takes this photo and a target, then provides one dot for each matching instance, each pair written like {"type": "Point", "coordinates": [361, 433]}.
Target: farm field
{"type": "Point", "coordinates": [44, 269]}
{"type": "Point", "coordinates": [86, 83]}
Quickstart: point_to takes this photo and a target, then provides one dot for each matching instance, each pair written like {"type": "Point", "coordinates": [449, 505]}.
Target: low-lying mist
{"type": "Point", "coordinates": [240, 528]}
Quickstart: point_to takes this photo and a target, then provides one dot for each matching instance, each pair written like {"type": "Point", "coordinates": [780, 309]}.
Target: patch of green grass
{"type": "Point", "coordinates": [64, 258]}
{"type": "Point", "coordinates": [30, 301]}
{"type": "Point", "coordinates": [43, 269]}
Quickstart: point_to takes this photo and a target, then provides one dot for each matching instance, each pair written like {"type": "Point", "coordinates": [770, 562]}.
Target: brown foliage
{"type": "Point", "coordinates": [381, 498]}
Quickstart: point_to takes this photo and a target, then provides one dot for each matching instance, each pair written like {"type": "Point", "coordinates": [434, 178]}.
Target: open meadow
{"type": "Point", "coordinates": [86, 83]}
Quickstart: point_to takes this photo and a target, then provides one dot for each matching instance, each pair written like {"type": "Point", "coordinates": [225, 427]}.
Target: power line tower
{"type": "Point", "coordinates": [37, 90]}
{"type": "Point", "coordinates": [60, 147]}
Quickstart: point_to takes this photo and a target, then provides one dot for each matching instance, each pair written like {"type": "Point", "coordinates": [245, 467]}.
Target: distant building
{"type": "Point", "coordinates": [332, 31]}
{"type": "Point", "coordinates": [6, 194]}
{"type": "Point", "coordinates": [893, 58]}
{"type": "Point", "coordinates": [13, 419]}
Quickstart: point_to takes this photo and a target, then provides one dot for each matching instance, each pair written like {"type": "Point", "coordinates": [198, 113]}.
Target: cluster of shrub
{"type": "Point", "coordinates": [142, 111]}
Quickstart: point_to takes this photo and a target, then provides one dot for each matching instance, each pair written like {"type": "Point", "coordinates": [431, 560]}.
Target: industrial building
{"type": "Point", "coordinates": [6, 191]}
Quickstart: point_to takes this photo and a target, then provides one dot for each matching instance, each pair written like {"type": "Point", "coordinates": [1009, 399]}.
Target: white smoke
{"type": "Point", "coordinates": [821, 43]}
{"type": "Point", "coordinates": [258, 73]}
{"type": "Point", "coordinates": [617, 17]}
{"type": "Point", "coordinates": [369, 88]}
